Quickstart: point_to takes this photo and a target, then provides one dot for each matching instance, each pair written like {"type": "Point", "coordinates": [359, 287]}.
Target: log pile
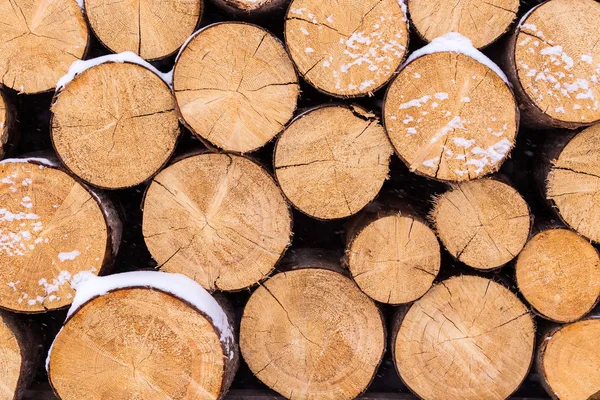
{"type": "Point", "coordinates": [230, 199]}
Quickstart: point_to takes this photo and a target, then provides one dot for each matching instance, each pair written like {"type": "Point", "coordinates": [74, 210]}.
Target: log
{"type": "Point", "coordinates": [483, 223]}
{"type": "Point", "coordinates": [569, 177]}
{"type": "Point", "coordinates": [118, 134]}
{"type": "Point", "coordinates": [54, 230]}
{"type": "Point", "coordinates": [558, 273]}
{"type": "Point", "coordinates": [449, 113]}
{"type": "Point", "coordinates": [393, 255]}
{"type": "Point", "coordinates": [551, 60]}
{"type": "Point", "coordinates": [39, 40]}
{"type": "Point", "coordinates": [143, 335]}
{"type": "Point", "coordinates": [481, 22]}
{"type": "Point", "coordinates": [19, 355]}
{"type": "Point", "coordinates": [467, 338]}
{"type": "Point", "coordinates": [252, 8]}
{"type": "Point", "coordinates": [568, 360]}
{"type": "Point", "coordinates": [217, 218]}
{"type": "Point", "coordinates": [234, 93]}
{"type": "Point", "coordinates": [152, 30]}
{"type": "Point", "coordinates": [347, 51]}
{"type": "Point", "coordinates": [311, 333]}
{"type": "Point", "coordinates": [332, 160]}
{"type": "Point", "coordinates": [8, 120]}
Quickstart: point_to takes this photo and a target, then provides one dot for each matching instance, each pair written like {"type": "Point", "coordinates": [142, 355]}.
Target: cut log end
{"type": "Point", "coordinates": [346, 51]}
{"type": "Point", "coordinates": [450, 117]}
{"type": "Point", "coordinates": [7, 122]}
{"type": "Point", "coordinates": [394, 258]}
{"type": "Point", "coordinates": [162, 347]}
{"type": "Point", "coordinates": [53, 230]}
{"type": "Point", "coordinates": [554, 61]}
{"type": "Point", "coordinates": [332, 160]}
{"type": "Point", "coordinates": [11, 360]}
{"type": "Point", "coordinates": [118, 135]}
{"type": "Point", "coordinates": [569, 360]}
{"type": "Point", "coordinates": [481, 22]}
{"type": "Point", "coordinates": [236, 94]}
{"type": "Point", "coordinates": [467, 338]}
{"type": "Point", "coordinates": [311, 333]}
{"type": "Point", "coordinates": [572, 183]}
{"type": "Point", "coordinates": [558, 273]}
{"type": "Point", "coordinates": [152, 30]}
{"type": "Point", "coordinates": [39, 41]}
{"type": "Point", "coordinates": [219, 219]}
{"type": "Point", "coordinates": [483, 223]}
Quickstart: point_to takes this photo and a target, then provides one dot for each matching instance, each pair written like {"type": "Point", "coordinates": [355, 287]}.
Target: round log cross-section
{"type": "Point", "coordinates": [484, 223]}
{"type": "Point", "coordinates": [552, 61]}
{"type": "Point", "coordinates": [311, 333]}
{"type": "Point", "coordinates": [140, 343]}
{"type": "Point", "coordinates": [558, 273]}
{"type": "Point", "coordinates": [572, 182]}
{"type": "Point", "coordinates": [394, 257]}
{"type": "Point", "coordinates": [114, 135]}
{"type": "Point", "coordinates": [39, 40]}
{"type": "Point", "coordinates": [568, 360]}
{"type": "Point", "coordinates": [52, 229]}
{"type": "Point", "coordinates": [482, 22]}
{"type": "Point", "coordinates": [449, 116]}
{"type": "Point", "coordinates": [235, 85]}
{"type": "Point", "coordinates": [468, 338]}
{"type": "Point", "coordinates": [347, 49]}
{"type": "Point", "coordinates": [332, 160]}
{"type": "Point", "coordinates": [7, 124]}
{"type": "Point", "coordinates": [219, 219]}
{"type": "Point", "coordinates": [148, 28]}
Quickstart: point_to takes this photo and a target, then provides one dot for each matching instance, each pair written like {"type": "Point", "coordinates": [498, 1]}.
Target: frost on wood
{"type": "Point", "coordinates": [347, 52]}
{"type": "Point", "coordinates": [80, 66]}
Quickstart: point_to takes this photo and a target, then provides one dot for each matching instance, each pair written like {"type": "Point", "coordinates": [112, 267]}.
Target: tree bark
{"type": "Point", "coordinates": [253, 9]}
{"type": "Point", "coordinates": [8, 125]}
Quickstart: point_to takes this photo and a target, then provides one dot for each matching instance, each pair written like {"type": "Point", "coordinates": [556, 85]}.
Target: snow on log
{"type": "Point", "coordinates": [483, 223]}
{"type": "Point", "coordinates": [53, 230]}
{"type": "Point", "coordinates": [217, 218]}
{"type": "Point", "coordinates": [152, 30]}
{"type": "Point", "coordinates": [19, 355]}
{"type": "Point", "coordinates": [568, 360]}
{"type": "Point", "coordinates": [146, 335]}
{"type": "Point", "coordinates": [347, 51]}
{"type": "Point", "coordinates": [8, 121]}
{"type": "Point", "coordinates": [450, 113]}
{"type": "Point", "coordinates": [558, 273]}
{"type": "Point", "coordinates": [235, 86]}
{"type": "Point", "coordinates": [39, 39]}
{"type": "Point", "coordinates": [259, 8]}
{"type": "Point", "coordinates": [114, 135]}
{"type": "Point", "coordinates": [311, 333]}
{"type": "Point", "coordinates": [332, 160]}
{"type": "Point", "coordinates": [392, 255]}
{"type": "Point", "coordinates": [570, 179]}
{"type": "Point", "coordinates": [468, 338]}
{"type": "Point", "coordinates": [482, 22]}
{"type": "Point", "coordinates": [553, 63]}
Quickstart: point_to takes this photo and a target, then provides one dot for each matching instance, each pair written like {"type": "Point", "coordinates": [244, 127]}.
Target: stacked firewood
{"type": "Point", "coordinates": [178, 176]}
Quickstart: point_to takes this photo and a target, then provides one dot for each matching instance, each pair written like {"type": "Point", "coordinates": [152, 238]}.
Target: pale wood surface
{"type": "Point", "coordinates": [558, 273]}
{"type": "Point", "coordinates": [138, 343]}
{"type": "Point", "coordinates": [310, 333]}
{"type": "Point", "coordinates": [332, 160]}
{"type": "Point", "coordinates": [218, 218]}
{"type": "Point", "coordinates": [481, 21]}
{"type": "Point", "coordinates": [115, 124]}
{"type": "Point", "coordinates": [150, 28]}
{"type": "Point", "coordinates": [450, 117]}
{"type": "Point", "coordinates": [39, 40]}
{"type": "Point", "coordinates": [346, 48]}
{"type": "Point", "coordinates": [467, 338]}
{"type": "Point", "coordinates": [10, 361]}
{"type": "Point", "coordinates": [236, 94]}
{"type": "Point", "coordinates": [483, 223]}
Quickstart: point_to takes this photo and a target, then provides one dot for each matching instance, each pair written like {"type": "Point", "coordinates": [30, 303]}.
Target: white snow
{"type": "Point", "coordinates": [456, 43]}
{"type": "Point", "coordinates": [71, 255]}
{"type": "Point", "coordinates": [80, 66]}
{"type": "Point", "coordinates": [81, 5]}
{"type": "Point", "coordinates": [309, 50]}
{"type": "Point", "coordinates": [415, 102]}
{"type": "Point", "coordinates": [39, 160]}
{"type": "Point", "coordinates": [441, 96]}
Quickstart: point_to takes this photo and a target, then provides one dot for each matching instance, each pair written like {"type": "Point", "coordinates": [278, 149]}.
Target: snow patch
{"type": "Point", "coordinates": [71, 255]}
